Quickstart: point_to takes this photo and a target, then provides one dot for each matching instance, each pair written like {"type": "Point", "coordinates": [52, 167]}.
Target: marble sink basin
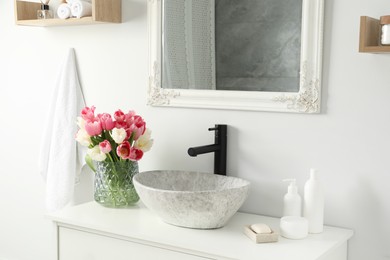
{"type": "Point", "coordinates": [191, 199]}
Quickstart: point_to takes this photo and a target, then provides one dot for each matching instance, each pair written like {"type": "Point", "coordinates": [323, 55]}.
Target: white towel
{"type": "Point", "coordinates": [61, 158]}
{"type": "Point", "coordinates": [63, 11]}
{"type": "Point", "coordinates": [81, 8]}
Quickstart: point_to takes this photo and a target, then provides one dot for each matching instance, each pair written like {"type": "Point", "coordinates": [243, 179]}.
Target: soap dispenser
{"type": "Point", "coordinates": [292, 200]}
{"type": "Point", "coordinates": [313, 206]}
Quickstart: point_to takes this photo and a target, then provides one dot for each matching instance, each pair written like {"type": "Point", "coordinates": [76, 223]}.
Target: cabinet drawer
{"type": "Point", "coordinates": [79, 245]}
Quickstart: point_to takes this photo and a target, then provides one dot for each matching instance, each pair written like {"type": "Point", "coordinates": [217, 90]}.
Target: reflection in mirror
{"type": "Point", "coordinates": [188, 44]}
{"type": "Point", "coordinates": [258, 44]}
{"type": "Point", "coordinates": [260, 55]}
{"type": "Point", "coordinates": [247, 45]}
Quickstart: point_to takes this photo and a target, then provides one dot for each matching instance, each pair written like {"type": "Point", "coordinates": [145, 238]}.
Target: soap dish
{"type": "Point", "coordinates": [261, 238]}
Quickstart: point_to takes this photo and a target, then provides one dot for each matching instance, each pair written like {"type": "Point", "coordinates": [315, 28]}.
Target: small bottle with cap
{"type": "Point", "coordinates": [44, 12]}
{"type": "Point", "coordinates": [292, 202]}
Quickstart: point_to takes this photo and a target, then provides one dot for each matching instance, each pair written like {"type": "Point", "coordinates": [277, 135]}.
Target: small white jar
{"type": "Point", "coordinates": [293, 227]}
{"type": "Point", "coordinates": [385, 24]}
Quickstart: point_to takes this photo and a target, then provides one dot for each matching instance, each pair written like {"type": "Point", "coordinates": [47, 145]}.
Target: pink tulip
{"type": "Point", "coordinates": [93, 128]}
{"type": "Point", "coordinates": [88, 114]}
{"type": "Point", "coordinates": [135, 154]}
{"type": "Point", "coordinates": [137, 132]}
{"type": "Point", "coordinates": [128, 133]}
{"type": "Point", "coordinates": [129, 115]}
{"type": "Point", "coordinates": [106, 121]}
{"type": "Point", "coordinates": [119, 116]}
{"type": "Point", "coordinates": [123, 150]}
{"type": "Point", "coordinates": [140, 123]}
{"type": "Point", "coordinates": [129, 118]}
{"type": "Point", "coordinates": [105, 146]}
{"type": "Point", "coordinates": [137, 127]}
{"type": "Point", "coordinates": [120, 124]}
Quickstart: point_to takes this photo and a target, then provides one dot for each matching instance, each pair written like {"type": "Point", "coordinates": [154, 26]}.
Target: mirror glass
{"type": "Point", "coordinates": [246, 45]}
{"type": "Point", "coordinates": [260, 55]}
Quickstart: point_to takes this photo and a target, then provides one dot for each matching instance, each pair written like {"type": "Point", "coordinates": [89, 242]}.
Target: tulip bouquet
{"type": "Point", "coordinates": [115, 145]}
{"type": "Point", "coordinates": [123, 136]}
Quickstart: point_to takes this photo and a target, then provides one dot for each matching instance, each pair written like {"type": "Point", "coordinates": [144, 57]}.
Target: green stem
{"type": "Point", "coordinates": [109, 157]}
{"type": "Point", "coordinates": [113, 151]}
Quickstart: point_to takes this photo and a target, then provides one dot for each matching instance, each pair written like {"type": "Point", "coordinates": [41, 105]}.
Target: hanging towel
{"type": "Point", "coordinates": [61, 158]}
{"type": "Point", "coordinates": [81, 8]}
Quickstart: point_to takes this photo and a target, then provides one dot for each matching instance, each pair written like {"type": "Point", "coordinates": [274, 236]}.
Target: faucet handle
{"type": "Point", "coordinates": [213, 128]}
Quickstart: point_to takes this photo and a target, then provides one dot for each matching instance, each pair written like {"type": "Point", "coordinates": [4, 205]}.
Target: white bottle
{"type": "Point", "coordinates": [313, 203]}
{"type": "Point", "coordinates": [292, 200]}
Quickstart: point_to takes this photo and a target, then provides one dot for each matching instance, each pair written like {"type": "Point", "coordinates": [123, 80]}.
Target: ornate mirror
{"type": "Point", "coordinates": [260, 55]}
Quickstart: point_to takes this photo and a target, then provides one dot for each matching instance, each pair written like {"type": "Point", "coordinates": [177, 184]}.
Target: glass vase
{"type": "Point", "coordinates": [114, 184]}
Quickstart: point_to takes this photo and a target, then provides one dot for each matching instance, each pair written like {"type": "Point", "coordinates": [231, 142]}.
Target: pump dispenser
{"type": "Point", "coordinates": [292, 200]}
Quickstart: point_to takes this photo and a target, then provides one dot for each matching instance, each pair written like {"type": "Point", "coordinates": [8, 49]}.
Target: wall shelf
{"type": "Point", "coordinates": [103, 11]}
{"type": "Point", "coordinates": [370, 31]}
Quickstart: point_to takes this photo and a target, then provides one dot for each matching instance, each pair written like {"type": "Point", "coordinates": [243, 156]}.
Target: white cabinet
{"type": "Point", "coordinates": [92, 232]}
{"type": "Point", "coordinates": [80, 245]}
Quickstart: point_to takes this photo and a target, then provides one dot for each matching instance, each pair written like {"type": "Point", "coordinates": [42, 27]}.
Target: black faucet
{"type": "Point", "coordinates": [219, 149]}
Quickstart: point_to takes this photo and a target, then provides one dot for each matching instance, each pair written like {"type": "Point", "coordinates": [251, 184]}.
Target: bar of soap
{"type": "Point", "coordinates": [261, 228]}
{"type": "Point", "coordinates": [270, 236]}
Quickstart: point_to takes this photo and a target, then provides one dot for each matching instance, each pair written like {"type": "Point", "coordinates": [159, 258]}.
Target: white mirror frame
{"type": "Point", "coordinates": [307, 100]}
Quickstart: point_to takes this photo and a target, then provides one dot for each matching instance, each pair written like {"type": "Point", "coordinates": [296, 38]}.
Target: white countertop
{"type": "Point", "coordinates": [139, 224]}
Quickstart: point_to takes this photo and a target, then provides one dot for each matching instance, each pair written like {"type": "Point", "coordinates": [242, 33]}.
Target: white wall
{"type": "Point", "coordinates": [348, 142]}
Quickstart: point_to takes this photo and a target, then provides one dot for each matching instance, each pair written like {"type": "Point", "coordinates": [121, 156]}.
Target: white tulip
{"type": "Point", "coordinates": [118, 134]}
{"type": "Point", "coordinates": [83, 138]}
{"type": "Point", "coordinates": [96, 154]}
{"type": "Point", "coordinates": [81, 122]}
{"type": "Point", "coordinates": [144, 142]}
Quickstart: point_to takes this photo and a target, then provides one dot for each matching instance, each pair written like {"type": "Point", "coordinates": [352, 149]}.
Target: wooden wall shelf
{"type": "Point", "coordinates": [370, 33]}
{"type": "Point", "coordinates": [103, 11]}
